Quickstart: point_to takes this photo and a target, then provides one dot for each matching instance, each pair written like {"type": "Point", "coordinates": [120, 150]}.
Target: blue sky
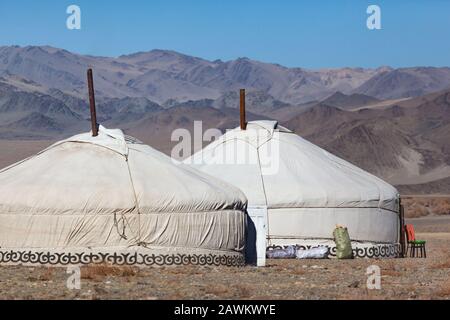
{"type": "Point", "coordinates": [310, 34]}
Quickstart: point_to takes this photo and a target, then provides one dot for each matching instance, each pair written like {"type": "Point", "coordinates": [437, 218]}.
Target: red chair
{"type": "Point", "coordinates": [415, 246]}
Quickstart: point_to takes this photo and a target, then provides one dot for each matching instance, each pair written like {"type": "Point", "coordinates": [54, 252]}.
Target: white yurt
{"type": "Point", "coordinates": [112, 199]}
{"type": "Point", "coordinates": [301, 192]}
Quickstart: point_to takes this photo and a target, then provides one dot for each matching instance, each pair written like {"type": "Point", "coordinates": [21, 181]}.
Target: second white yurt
{"type": "Point", "coordinates": [301, 192]}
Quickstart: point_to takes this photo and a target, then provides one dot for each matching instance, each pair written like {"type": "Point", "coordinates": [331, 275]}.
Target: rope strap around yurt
{"type": "Point", "coordinates": [136, 202]}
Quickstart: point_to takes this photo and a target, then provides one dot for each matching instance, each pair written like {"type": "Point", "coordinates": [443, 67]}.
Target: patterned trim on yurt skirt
{"type": "Point", "coordinates": [374, 251]}
{"type": "Point", "coordinates": [28, 257]}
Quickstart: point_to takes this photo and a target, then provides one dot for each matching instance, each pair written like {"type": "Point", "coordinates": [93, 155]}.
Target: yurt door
{"type": "Point", "coordinates": [256, 235]}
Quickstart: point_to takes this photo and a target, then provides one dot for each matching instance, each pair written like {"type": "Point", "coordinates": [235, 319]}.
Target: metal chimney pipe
{"type": "Point", "coordinates": [92, 103]}
{"type": "Point", "coordinates": [242, 110]}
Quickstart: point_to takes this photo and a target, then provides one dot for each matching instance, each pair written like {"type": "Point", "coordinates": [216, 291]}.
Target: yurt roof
{"type": "Point", "coordinates": [283, 170]}
{"type": "Point", "coordinates": [110, 173]}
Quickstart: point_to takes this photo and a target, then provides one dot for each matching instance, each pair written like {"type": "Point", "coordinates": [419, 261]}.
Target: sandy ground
{"type": "Point", "coordinates": [281, 279]}
{"type": "Point", "coordinates": [431, 224]}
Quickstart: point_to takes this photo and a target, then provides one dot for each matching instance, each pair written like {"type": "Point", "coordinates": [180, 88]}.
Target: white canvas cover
{"type": "Point", "coordinates": [306, 190]}
{"type": "Point", "coordinates": [110, 192]}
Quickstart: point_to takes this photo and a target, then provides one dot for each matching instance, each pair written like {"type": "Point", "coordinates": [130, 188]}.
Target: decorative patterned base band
{"type": "Point", "coordinates": [374, 251]}
{"type": "Point", "coordinates": [127, 258]}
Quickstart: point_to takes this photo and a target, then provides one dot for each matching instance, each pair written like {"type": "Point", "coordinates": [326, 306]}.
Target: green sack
{"type": "Point", "coordinates": [343, 244]}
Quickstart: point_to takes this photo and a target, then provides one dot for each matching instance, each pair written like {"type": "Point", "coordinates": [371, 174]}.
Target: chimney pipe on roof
{"type": "Point", "coordinates": [92, 103]}
{"type": "Point", "coordinates": [242, 110]}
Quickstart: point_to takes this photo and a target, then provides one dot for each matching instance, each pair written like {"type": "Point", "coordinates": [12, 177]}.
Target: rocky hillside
{"type": "Point", "coordinates": [405, 144]}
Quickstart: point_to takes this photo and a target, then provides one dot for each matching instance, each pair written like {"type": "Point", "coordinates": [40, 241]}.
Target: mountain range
{"type": "Point", "coordinates": [394, 123]}
{"type": "Point", "coordinates": [160, 75]}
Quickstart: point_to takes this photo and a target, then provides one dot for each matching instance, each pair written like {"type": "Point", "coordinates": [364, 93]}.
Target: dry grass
{"type": "Point", "coordinates": [218, 290]}
{"type": "Point", "coordinates": [237, 291]}
{"type": "Point", "coordinates": [99, 272]}
{"type": "Point", "coordinates": [444, 291]}
{"type": "Point", "coordinates": [299, 272]}
{"type": "Point", "coordinates": [391, 273]}
{"type": "Point", "coordinates": [443, 264]}
{"type": "Point", "coordinates": [282, 279]}
{"type": "Point", "coordinates": [388, 265]}
{"type": "Point", "coordinates": [243, 291]}
{"type": "Point", "coordinates": [443, 207]}
{"type": "Point", "coordinates": [47, 275]}
{"type": "Point", "coordinates": [188, 270]}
